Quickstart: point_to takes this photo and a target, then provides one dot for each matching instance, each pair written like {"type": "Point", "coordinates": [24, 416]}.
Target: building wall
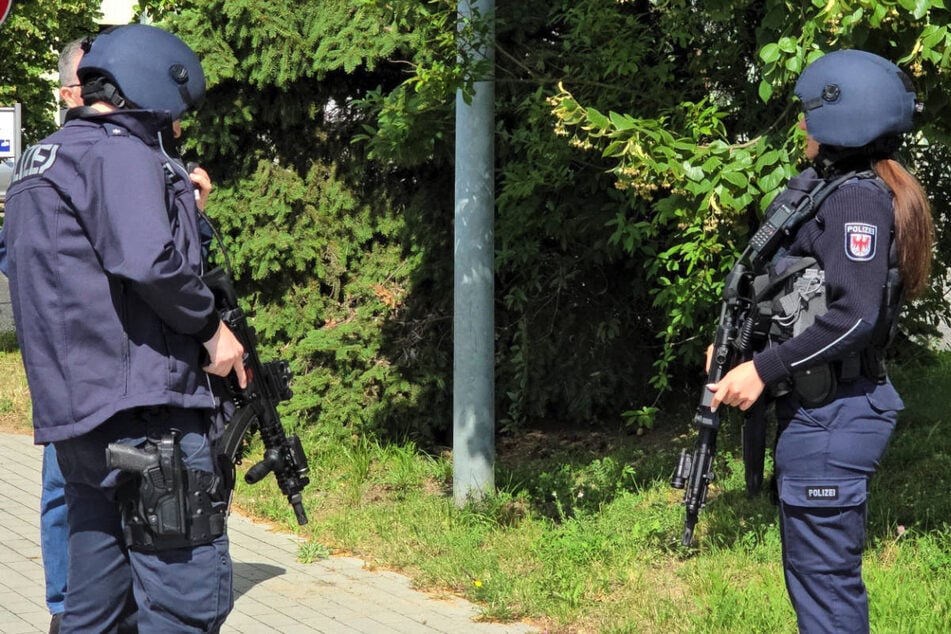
{"type": "Point", "coordinates": [116, 11]}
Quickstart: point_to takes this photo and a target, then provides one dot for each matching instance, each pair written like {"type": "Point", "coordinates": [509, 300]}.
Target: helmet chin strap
{"type": "Point", "coordinates": [168, 142]}
{"type": "Point", "coordinates": [830, 156]}
{"type": "Point", "coordinates": [833, 159]}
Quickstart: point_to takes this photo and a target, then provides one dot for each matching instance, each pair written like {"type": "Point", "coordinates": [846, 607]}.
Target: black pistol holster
{"type": "Point", "coordinates": [167, 505]}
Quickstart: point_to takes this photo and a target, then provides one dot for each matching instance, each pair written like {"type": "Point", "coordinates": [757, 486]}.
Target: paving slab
{"type": "Point", "coordinates": [274, 592]}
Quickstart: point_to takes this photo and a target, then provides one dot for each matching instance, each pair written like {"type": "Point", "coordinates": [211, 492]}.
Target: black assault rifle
{"type": "Point", "coordinates": [733, 341]}
{"type": "Point", "coordinates": [694, 472]}
{"type": "Point", "coordinates": [268, 384]}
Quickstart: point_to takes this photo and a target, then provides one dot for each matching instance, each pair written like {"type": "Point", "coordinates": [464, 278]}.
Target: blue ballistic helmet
{"type": "Point", "coordinates": [142, 66]}
{"type": "Point", "coordinates": [851, 98]}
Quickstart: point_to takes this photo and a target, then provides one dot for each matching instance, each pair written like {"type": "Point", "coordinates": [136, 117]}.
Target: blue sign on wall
{"type": "Point", "coordinates": [9, 131]}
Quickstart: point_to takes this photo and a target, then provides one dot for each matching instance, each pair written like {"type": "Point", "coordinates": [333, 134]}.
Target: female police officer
{"type": "Point", "coordinates": [870, 237]}
{"type": "Point", "coordinates": [116, 327]}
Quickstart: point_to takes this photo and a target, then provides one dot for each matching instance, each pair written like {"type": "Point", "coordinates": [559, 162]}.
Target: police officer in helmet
{"type": "Point", "coordinates": [871, 243]}
{"type": "Point", "coordinates": [118, 334]}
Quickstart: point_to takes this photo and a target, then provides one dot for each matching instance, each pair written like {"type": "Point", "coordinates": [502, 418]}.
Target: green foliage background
{"type": "Point", "coordinates": [638, 142]}
{"type": "Point", "coordinates": [334, 251]}
{"type": "Point", "coordinates": [637, 145]}
{"type": "Point", "coordinates": [30, 38]}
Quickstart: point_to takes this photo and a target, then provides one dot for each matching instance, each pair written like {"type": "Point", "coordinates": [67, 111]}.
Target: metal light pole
{"type": "Point", "coordinates": [473, 391]}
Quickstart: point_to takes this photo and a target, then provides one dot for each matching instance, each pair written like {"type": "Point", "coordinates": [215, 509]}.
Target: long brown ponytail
{"type": "Point", "coordinates": [914, 228]}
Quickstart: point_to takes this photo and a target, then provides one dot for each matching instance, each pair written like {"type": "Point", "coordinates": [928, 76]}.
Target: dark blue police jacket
{"type": "Point", "coordinates": [103, 256]}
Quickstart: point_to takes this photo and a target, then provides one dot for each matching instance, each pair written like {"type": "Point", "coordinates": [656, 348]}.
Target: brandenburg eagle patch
{"type": "Point", "coordinates": [860, 241]}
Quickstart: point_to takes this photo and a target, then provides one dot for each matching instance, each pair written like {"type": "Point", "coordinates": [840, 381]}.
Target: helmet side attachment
{"type": "Point", "coordinates": [141, 66]}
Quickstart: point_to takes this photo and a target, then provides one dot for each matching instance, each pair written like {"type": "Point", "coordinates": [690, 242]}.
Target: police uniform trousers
{"type": "Point", "coordinates": [112, 588]}
{"type": "Point", "coordinates": [824, 459]}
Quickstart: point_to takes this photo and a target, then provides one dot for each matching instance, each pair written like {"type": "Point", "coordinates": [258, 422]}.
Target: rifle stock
{"type": "Point", "coordinates": [754, 446]}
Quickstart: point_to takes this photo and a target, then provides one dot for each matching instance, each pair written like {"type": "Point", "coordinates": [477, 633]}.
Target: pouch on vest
{"type": "Point", "coordinates": [791, 295]}
{"type": "Point", "coordinates": [768, 289]}
{"type": "Point", "coordinates": [816, 386]}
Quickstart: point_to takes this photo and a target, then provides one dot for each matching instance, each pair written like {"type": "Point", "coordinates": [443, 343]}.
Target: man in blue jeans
{"type": "Point", "coordinates": [54, 532]}
{"type": "Point", "coordinates": [117, 331]}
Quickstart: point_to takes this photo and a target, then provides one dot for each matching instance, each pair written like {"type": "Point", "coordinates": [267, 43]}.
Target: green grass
{"type": "Point", "coordinates": [15, 412]}
{"type": "Point", "coordinates": [582, 535]}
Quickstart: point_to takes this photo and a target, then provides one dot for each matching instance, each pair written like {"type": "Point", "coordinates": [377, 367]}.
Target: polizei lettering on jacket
{"type": "Point", "coordinates": [36, 160]}
{"type": "Point", "coordinates": [822, 493]}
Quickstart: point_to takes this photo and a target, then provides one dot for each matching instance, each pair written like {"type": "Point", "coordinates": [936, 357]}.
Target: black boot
{"type": "Point", "coordinates": [54, 623]}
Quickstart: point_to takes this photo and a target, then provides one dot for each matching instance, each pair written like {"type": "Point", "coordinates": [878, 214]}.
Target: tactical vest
{"type": "Point", "coordinates": [789, 297]}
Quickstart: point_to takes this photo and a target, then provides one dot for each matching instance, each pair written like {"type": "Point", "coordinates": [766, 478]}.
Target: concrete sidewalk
{"type": "Point", "coordinates": [273, 591]}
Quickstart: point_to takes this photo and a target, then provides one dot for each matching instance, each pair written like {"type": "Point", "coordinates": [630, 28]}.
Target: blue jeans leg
{"type": "Point", "coordinates": [54, 531]}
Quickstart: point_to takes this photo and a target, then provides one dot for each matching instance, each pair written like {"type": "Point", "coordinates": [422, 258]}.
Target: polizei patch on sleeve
{"type": "Point", "coordinates": [860, 241]}
{"type": "Point", "coordinates": [822, 492]}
